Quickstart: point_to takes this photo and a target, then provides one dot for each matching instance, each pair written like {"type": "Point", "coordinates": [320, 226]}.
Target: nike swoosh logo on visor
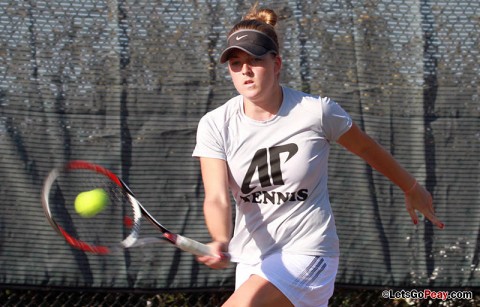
{"type": "Point", "coordinates": [240, 37]}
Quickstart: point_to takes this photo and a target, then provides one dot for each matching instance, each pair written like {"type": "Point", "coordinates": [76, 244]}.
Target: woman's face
{"type": "Point", "coordinates": [255, 78]}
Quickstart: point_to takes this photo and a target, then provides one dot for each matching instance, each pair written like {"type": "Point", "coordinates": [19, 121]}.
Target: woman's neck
{"type": "Point", "coordinates": [265, 108]}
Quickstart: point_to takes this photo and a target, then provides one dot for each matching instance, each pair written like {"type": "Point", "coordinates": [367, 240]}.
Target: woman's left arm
{"type": "Point", "coordinates": [416, 196]}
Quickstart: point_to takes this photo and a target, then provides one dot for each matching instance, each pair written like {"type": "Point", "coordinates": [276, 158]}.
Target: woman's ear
{"type": "Point", "coordinates": [278, 64]}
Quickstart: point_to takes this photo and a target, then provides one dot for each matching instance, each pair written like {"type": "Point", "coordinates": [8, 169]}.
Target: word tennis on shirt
{"type": "Point", "coordinates": [275, 198]}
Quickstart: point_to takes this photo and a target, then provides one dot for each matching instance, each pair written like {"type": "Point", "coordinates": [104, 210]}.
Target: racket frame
{"type": "Point", "coordinates": [133, 239]}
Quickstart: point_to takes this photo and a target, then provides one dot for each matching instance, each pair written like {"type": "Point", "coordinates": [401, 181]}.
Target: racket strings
{"type": "Point", "coordinates": [108, 228]}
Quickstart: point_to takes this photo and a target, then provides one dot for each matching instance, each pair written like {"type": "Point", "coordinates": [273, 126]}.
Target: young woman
{"type": "Point", "coordinates": [269, 147]}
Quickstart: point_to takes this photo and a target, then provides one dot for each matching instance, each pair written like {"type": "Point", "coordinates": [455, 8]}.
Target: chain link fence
{"type": "Point", "coordinates": [342, 297]}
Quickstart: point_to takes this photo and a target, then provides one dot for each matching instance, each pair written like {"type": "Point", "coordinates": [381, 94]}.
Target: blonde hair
{"type": "Point", "coordinates": [268, 16]}
{"type": "Point", "coordinates": [263, 20]}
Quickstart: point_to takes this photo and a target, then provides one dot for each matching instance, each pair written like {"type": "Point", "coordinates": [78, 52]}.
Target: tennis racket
{"type": "Point", "coordinates": [117, 226]}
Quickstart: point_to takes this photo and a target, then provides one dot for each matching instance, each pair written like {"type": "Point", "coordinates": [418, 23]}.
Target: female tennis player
{"type": "Point", "coordinates": [269, 146]}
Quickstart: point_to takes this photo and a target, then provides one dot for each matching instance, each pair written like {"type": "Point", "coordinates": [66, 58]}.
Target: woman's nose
{"type": "Point", "coordinates": [246, 69]}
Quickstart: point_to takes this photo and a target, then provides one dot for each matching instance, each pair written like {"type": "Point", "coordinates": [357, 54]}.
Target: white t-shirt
{"type": "Point", "coordinates": [278, 173]}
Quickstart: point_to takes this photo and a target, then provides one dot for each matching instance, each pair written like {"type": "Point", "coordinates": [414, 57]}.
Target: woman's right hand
{"type": "Point", "coordinates": [220, 260]}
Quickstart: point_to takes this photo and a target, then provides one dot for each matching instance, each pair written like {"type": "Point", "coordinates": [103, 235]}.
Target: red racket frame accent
{"type": "Point", "coordinates": [81, 245]}
{"type": "Point", "coordinates": [79, 164]}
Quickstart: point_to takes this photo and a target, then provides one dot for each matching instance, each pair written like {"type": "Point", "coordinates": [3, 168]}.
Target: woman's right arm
{"type": "Point", "coordinates": [217, 209]}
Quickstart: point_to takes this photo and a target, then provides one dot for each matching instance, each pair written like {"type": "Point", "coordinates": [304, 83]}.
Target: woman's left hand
{"type": "Point", "coordinates": [419, 199]}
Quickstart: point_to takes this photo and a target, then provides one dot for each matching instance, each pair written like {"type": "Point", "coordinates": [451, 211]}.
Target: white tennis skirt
{"type": "Point", "coordinates": [304, 280]}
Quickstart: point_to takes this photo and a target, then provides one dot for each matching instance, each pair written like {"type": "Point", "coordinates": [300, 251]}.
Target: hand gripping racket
{"type": "Point", "coordinates": [113, 229]}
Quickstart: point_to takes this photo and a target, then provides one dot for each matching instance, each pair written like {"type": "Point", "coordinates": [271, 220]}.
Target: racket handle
{"type": "Point", "coordinates": [193, 246]}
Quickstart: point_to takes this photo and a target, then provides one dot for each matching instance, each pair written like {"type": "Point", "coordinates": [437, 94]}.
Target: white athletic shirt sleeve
{"type": "Point", "coordinates": [335, 121]}
{"type": "Point", "coordinates": [209, 143]}
{"type": "Point", "coordinates": [278, 173]}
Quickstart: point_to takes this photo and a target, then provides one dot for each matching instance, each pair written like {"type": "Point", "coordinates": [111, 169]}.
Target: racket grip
{"type": "Point", "coordinates": [193, 246]}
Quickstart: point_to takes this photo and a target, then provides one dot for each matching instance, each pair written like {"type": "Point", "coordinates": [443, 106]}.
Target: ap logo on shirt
{"type": "Point", "coordinates": [267, 162]}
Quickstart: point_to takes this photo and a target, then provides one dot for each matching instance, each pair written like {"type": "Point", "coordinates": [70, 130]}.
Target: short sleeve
{"type": "Point", "coordinates": [209, 139]}
{"type": "Point", "coordinates": [335, 120]}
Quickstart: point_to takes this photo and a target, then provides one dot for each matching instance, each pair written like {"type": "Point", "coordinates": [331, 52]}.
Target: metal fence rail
{"type": "Point", "coordinates": [342, 297]}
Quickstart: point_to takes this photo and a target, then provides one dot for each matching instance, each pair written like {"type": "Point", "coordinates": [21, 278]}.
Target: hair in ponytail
{"type": "Point", "coordinates": [263, 20]}
{"type": "Point", "coordinates": [265, 15]}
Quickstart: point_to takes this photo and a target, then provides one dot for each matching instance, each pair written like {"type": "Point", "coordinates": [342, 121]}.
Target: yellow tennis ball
{"type": "Point", "coordinates": [90, 203]}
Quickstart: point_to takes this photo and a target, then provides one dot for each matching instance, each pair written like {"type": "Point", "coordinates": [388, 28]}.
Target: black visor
{"type": "Point", "coordinates": [252, 42]}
